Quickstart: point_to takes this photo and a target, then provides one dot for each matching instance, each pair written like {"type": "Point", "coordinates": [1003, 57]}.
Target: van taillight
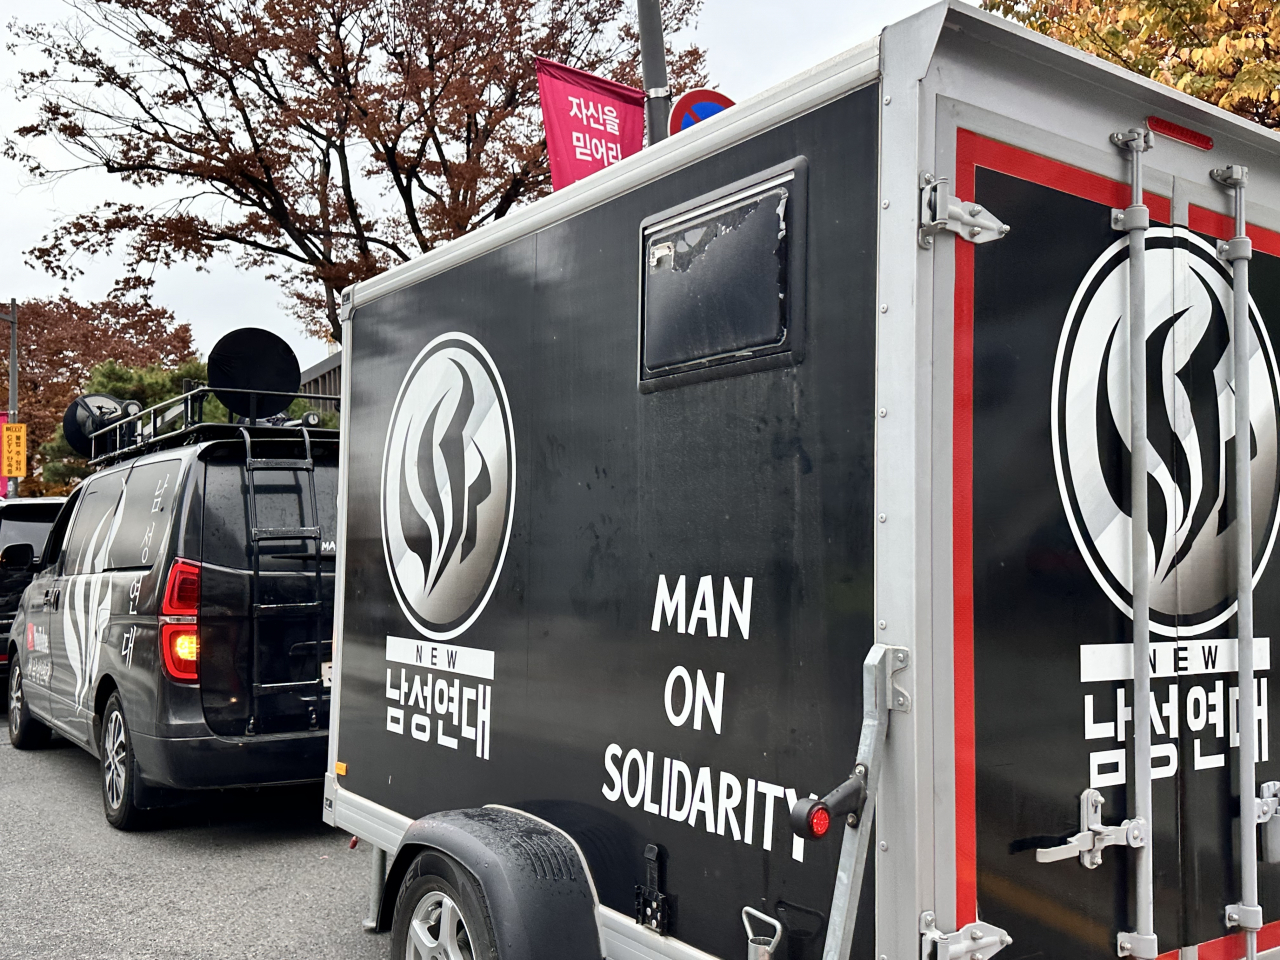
{"type": "Point", "coordinates": [179, 622]}
{"type": "Point", "coordinates": [182, 592]}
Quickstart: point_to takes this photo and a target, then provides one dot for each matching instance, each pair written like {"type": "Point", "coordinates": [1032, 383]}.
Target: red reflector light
{"type": "Point", "coordinates": [819, 821]}
{"type": "Point", "coordinates": [1176, 131]}
{"type": "Point", "coordinates": [182, 592]}
{"type": "Point", "coordinates": [180, 645]}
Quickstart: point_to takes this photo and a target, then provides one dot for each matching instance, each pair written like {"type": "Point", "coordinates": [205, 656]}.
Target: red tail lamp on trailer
{"type": "Point", "coordinates": [1176, 131]}
{"type": "Point", "coordinates": [179, 622]}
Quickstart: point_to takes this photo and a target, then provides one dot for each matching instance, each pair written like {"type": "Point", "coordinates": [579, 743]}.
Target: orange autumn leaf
{"type": "Point", "coordinates": [1226, 52]}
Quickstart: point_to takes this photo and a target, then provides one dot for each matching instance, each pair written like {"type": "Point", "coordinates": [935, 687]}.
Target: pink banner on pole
{"type": "Point", "coordinates": [591, 122]}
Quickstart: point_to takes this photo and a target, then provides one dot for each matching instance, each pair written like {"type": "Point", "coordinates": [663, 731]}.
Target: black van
{"type": "Point", "coordinates": [24, 526]}
{"type": "Point", "coordinates": [179, 623]}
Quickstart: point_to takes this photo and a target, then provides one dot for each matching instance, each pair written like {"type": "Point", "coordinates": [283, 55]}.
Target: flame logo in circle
{"type": "Point", "coordinates": [1190, 429]}
{"type": "Point", "coordinates": [448, 486]}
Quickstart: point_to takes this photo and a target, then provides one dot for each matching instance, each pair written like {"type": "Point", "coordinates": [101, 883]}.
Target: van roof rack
{"type": "Point", "coordinates": [179, 421]}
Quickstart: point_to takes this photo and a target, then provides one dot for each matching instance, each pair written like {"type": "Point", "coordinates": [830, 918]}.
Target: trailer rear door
{"type": "Point", "coordinates": [1042, 623]}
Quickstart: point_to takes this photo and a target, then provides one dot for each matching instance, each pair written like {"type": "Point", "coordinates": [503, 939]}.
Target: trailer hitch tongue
{"type": "Point", "coordinates": [811, 819]}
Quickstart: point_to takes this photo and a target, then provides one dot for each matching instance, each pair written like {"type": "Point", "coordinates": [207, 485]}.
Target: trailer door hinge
{"type": "Point", "coordinates": [1094, 835]}
{"type": "Point", "coordinates": [973, 941]}
{"type": "Point", "coordinates": [940, 211]}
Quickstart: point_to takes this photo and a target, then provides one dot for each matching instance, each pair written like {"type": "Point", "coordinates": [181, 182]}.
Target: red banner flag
{"type": "Point", "coordinates": [591, 122]}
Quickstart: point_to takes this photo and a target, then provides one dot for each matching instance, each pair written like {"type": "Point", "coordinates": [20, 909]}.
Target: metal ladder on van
{"type": "Point", "coordinates": [311, 609]}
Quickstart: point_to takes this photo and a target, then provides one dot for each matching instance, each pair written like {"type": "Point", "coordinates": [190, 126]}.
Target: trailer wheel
{"type": "Point", "coordinates": [25, 731]}
{"type": "Point", "coordinates": [438, 918]}
{"type": "Point", "coordinates": [119, 769]}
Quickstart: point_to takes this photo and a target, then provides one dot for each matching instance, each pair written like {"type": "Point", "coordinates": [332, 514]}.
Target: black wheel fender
{"type": "Point", "coordinates": [539, 894]}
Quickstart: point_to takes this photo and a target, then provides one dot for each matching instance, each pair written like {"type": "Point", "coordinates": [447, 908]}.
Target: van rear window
{"type": "Point", "coordinates": [282, 501]}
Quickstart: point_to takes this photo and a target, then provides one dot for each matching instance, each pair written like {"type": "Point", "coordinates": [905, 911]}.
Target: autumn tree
{"type": "Point", "coordinates": [1224, 51]}
{"type": "Point", "coordinates": [61, 341]}
{"type": "Point", "coordinates": [320, 140]}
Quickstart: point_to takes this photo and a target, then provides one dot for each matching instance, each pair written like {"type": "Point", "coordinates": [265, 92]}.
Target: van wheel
{"type": "Point", "coordinates": [436, 919]}
{"type": "Point", "coordinates": [119, 769]}
{"type": "Point", "coordinates": [25, 731]}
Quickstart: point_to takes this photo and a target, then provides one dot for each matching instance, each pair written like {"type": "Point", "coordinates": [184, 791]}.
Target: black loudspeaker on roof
{"type": "Point", "coordinates": [91, 413]}
{"type": "Point", "coordinates": [248, 359]}
{"type": "Point", "coordinates": [254, 359]}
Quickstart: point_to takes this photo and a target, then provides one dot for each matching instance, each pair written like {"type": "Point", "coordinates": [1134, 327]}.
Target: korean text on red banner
{"type": "Point", "coordinates": [590, 122]}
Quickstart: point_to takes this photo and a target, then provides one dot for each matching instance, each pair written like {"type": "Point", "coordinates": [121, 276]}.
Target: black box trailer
{"type": "Point", "coordinates": [801, 443]}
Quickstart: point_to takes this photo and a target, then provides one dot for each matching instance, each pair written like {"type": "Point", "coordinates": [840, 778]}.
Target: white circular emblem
{"type": "Point", "coordinates": [448, 486]}
{"type": "Point", "coordinates": [1191, 431]}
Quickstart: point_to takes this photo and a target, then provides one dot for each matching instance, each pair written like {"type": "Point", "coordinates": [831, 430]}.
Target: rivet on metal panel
{"type": "Point", "coordinates": [887, 100]}
{"type": "Point", "coordinates": [882, 518]}
{"type": "Point", "coordinates": [883, 625]}
{"type": "Point", "coordinates": [885, 205]}
{"type": "Point", "coordinates": [884, 308]}
{"type": "Point", "coordinates": [883, 412]}
{"type": "Point", "coordinates": [902, 658]}
{"type": "Point", "coordinates": [884, 845]}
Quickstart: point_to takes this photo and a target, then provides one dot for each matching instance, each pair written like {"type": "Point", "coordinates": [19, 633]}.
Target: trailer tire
{"type": "Point", "coordinates": [25, 731]}
{"type": "Point", "coordinates": [437, 888]}
{"type": "Point", "coordinates": [119, 769]}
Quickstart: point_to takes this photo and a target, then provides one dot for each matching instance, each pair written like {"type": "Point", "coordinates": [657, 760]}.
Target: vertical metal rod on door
{"type": "Point", "coordinates": [1247, 914]}
{"type": "Point", "coordinates": [1136, 219]}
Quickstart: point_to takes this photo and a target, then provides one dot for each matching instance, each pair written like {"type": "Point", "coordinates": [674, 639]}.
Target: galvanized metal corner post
{"type": "Point", "coordinates": [653, 66]}
{"type": "Point", "coordinates": [1247, 914]}
{"type": "Point", "coordinates": [1136, 219]}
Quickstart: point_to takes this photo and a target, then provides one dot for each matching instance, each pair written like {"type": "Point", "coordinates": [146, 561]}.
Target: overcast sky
{"type": "Point", "coordinates": [750, 44]}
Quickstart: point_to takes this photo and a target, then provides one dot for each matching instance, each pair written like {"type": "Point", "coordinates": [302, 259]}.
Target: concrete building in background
{"type": "Point", "coordinates": [324, 377]}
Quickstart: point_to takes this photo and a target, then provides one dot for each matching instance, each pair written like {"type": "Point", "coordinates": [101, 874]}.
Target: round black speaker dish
{"type": "Point", "coordinates": [86, 416]}
{"type": "Point", "coordinates": [253, 359]}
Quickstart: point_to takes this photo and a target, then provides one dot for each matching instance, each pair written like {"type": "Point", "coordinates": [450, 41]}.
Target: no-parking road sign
{"type": "Point", "coordinates": [696, 105]}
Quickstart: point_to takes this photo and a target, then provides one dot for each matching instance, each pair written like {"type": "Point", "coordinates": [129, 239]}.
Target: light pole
{"type": "Point", "coordinates": [653, 65]}
{"type": "Point", "coordinates": [12, 317]}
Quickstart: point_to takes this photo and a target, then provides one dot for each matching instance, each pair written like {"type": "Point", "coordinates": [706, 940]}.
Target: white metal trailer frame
{"type": "Point", "coordinates": [947, 69]}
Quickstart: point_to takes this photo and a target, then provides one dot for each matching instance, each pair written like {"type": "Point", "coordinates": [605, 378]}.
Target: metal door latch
{"type": "Point", "coordinates": [1269, 818]}
{"type": "Point", "coordinates": [973, 941]}
{"type": "Point", "coordinates": [940, 211]}
{"type": "Point", "coordinates": [1094, 835]}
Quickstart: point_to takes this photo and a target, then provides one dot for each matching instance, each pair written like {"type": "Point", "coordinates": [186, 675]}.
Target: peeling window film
{"type": "Point", "coordinates": [716, 282]}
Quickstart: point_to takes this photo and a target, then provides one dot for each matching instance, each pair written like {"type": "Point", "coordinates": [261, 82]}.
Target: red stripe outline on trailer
{"type": "Point", "coordinates": [1222, 227]}
{"type": "Point", "coordinates": [973, 151]}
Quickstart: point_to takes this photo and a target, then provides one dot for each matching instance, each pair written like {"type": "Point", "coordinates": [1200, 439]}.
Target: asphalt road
{"type": "Point", "coordinates": [236, 875]}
